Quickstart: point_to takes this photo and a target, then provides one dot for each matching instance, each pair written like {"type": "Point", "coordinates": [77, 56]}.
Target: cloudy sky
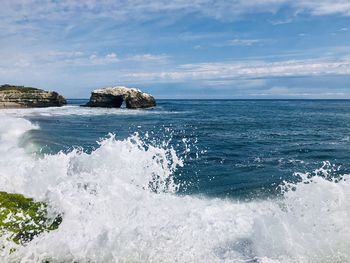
{"type": "Point", "coordinates": [180, 48]}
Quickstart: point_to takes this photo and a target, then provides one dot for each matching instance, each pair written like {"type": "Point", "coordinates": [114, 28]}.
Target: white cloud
{"type": "Point", "coordinates": [251, 70]}
{"type": "Point", "coordinates": [64, 54]}
{"type": "Point", "coordinates": [281, 92]}
{"type": "Point", "coordinates": [327, 7]}
{"type": "Point", "coordinates": [26, 10]}
{"type": "Point", "coordinates": [111, 56]}
{"type": "Point", "coordinates": [242, 42]}
{"type": "Point", "coordinates": [148, 58]}
{"type": "Point", "coordinates": [54, 58]}
{"type": "Point", "coordinates": [281, 22]}
{"type": "Point", "coordinates": [150, 71]}
{"type": "Point", "coordinates": [95, 60]}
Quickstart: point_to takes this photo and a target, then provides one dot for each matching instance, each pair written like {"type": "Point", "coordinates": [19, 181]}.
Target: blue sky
{"type": "Point", "coordinates": [179, 49]}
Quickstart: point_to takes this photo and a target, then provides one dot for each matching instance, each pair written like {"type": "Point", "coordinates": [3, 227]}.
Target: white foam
{"type": "Point", "coordinates": [80, 111]}
{"type": "Point", "coordinates": [119, 204]}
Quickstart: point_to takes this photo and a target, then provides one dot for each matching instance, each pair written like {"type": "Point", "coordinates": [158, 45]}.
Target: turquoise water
{"type": "Point", "coordinates": [187, 181]}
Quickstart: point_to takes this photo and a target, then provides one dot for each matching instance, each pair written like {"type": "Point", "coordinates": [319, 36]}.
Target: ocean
{"type": "Point", "coordinates": [187, 181]}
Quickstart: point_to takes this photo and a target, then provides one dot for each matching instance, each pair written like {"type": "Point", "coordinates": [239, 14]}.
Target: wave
{"type": "Point", "coordinates": [82, 111]}
{"type": "Point", "coordinates": [120, 204]}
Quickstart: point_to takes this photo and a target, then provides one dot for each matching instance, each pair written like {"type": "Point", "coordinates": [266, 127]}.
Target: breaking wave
{"type": "Point", "coordinates": [120, 204]}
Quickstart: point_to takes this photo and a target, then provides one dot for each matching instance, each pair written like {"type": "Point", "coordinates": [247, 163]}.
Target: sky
{"type": "Point", "coordinates": [250, 49]}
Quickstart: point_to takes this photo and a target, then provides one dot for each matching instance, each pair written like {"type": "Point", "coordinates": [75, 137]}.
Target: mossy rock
{"type": "Point", "coordinates": [22, 218]}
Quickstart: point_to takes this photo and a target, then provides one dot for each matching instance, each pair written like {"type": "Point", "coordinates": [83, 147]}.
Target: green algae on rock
{"type": "Point", "coordinates": [22, 218]}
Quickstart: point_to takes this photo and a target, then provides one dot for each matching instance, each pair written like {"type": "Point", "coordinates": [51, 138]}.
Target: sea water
{"type": "Point", "coordinates": [187, 181]}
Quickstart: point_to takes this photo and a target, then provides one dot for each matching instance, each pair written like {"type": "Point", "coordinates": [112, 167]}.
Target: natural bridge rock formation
{"type": "Point", "coordinates": [113, 97]}
{"type": "Point", "coordinates": [26, 97]}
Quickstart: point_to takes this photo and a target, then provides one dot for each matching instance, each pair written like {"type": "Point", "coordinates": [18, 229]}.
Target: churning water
{"type": "Point", "coordinates": [190, 181]}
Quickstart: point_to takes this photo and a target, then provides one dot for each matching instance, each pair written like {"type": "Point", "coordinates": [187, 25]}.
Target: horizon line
{"type": "Point", "coordinates": [219, 99]}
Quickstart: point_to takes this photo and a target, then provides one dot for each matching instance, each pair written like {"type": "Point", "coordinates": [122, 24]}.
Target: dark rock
{"type": "Point", "coordinates": [27, 97]}
{"type": "Point", "coordinates": [105, 100]}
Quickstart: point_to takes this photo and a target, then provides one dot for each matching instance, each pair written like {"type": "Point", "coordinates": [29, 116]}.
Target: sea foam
{"type": "Point", "coordinates": [119, 203]}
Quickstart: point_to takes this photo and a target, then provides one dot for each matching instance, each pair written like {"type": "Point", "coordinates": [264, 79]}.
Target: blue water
{"type": "Point", "coordinates": [238, 148]}
{"type": "Point", "coordinates": [188, 181]}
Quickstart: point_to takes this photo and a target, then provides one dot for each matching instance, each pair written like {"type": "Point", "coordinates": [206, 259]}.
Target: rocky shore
{"type": "Point", "coordinates": [27, 97]}
{"type": "Point", "coordinates": [113, 97]}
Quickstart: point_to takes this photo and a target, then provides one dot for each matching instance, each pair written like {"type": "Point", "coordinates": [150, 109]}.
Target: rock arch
{"type": "Point", "coordinates": [114, 97]}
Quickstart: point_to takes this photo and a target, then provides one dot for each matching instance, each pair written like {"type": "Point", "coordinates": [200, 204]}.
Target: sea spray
{"type": "Point", "coordinates": [310, 223]}
{"type": "Point", "coordinates": [119, 204]}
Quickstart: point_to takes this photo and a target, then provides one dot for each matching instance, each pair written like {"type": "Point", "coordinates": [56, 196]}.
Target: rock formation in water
{"type": "Point", "coordinates": [26, 97]}
{"type": "Point", "coordinates": [113, 97]}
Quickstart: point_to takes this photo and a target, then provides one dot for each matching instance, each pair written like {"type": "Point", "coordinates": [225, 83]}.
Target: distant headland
{"type": "Point", "coordinates": [27, 97]}
{"type": "Point", "coordinates": [12, 96]}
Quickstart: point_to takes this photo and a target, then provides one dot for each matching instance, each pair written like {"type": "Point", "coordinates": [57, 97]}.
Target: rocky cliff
{"type": "Point", "coordinates": [26, 97]}
{"type": "Point", "coordinates": [113, 97]}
